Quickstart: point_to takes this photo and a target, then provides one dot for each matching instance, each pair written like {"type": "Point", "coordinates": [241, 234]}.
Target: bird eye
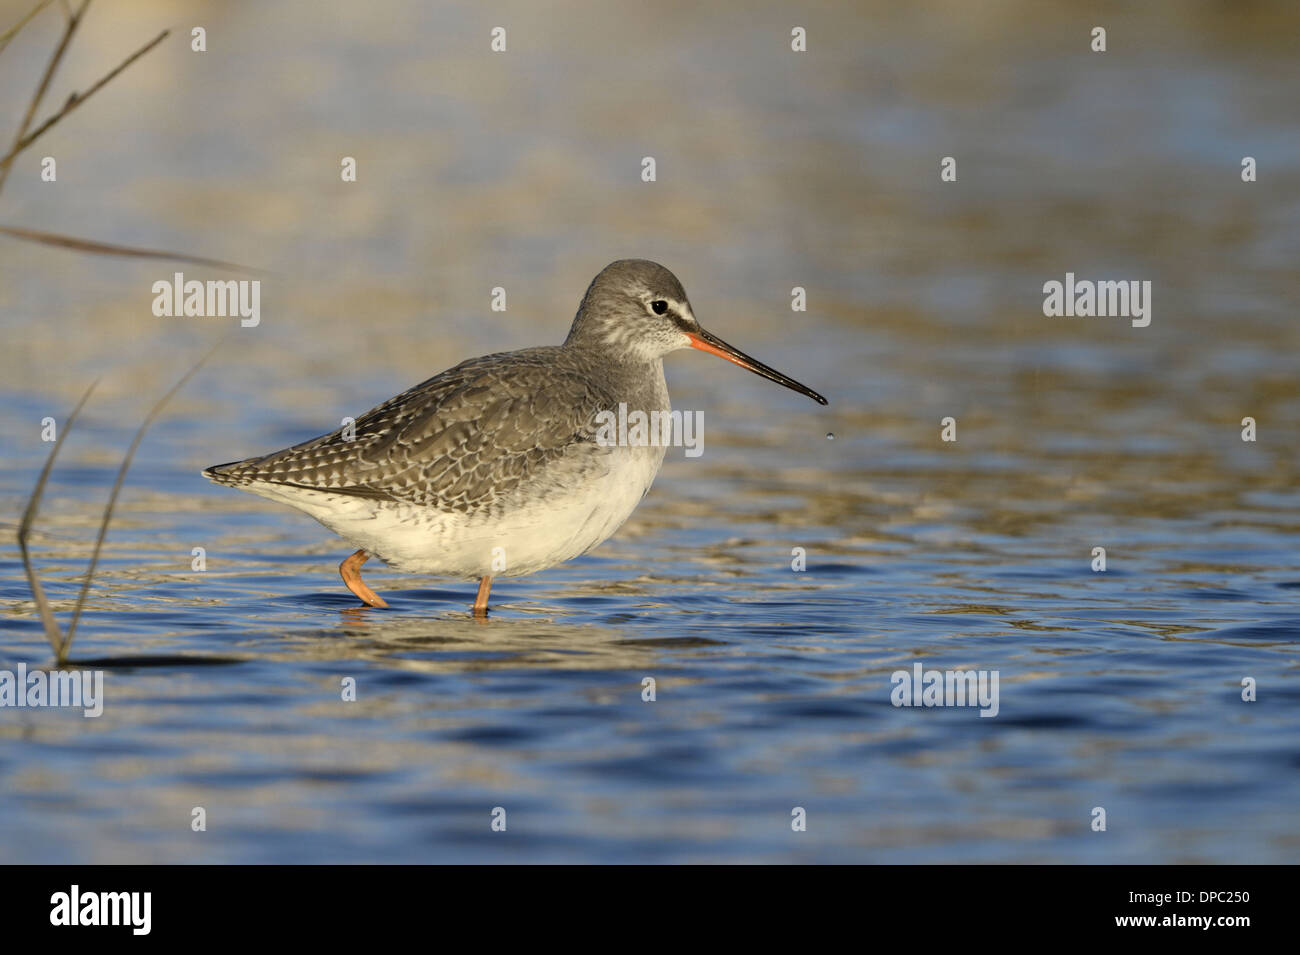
{"type": "Point", "coordinates": [659, 306]}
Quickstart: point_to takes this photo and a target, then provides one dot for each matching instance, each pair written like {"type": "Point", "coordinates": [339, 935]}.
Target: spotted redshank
{"type": "Point", "coordinates": [495, 467]}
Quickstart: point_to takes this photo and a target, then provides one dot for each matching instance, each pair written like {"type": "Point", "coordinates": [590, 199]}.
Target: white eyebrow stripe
{"type": "Point", "coordinates": [681, 308]}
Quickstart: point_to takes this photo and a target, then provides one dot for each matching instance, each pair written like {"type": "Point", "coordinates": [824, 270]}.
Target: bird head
{"type": "Point", "coordinates": [636, 310]}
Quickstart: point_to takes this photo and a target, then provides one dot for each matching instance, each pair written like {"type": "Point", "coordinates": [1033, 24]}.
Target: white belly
{"type": "Point", "coordinates": [523, 539]}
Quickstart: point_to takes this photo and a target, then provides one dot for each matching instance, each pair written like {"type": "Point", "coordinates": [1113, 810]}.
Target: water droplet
{"type": "Point", "coordinates": [830, 436]}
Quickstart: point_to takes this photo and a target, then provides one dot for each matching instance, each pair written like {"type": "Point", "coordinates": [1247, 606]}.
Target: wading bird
{"type": "Point", "coordinates": [494, 467]}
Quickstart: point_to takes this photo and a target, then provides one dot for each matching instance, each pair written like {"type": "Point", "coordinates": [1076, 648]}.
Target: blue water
{"type": "Point", "coordinates": [1118, 689]}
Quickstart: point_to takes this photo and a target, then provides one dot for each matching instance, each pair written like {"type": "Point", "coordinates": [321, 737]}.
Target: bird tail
{"type": "Point", "coordinates": [232, 474]}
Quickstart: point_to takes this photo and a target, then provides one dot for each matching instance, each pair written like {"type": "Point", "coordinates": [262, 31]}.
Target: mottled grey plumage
{"type": "Point", "coordinates": [463, 440]}
{"type": "Point", "coordinates": [499, 453]}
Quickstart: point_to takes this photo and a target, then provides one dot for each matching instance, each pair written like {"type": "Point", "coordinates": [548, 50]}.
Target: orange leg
{"type": "Point", "coordinates": [350, 571]}
{"type": "Point", "coordinates": [480, 602]}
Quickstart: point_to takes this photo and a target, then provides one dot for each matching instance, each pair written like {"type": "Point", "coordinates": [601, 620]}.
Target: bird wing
{"type": "Point", "coordinates": [463, 440]}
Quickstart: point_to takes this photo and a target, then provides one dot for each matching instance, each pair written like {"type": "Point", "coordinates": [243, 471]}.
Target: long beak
{"type": "Point", "coordinates": [707, 341]}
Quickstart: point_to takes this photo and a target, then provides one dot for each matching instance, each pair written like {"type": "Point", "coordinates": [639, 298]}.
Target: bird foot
{"type": "Point", "coordinates": [480, 601]}
{"type": "Point", "coordinates": [350, 571]}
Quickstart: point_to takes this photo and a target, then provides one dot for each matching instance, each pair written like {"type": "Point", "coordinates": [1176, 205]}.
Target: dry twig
{"type": "Point", "coordinates": [74, 20]}
{"type": "Point", "coordinates": [14, 30]}
{"type": "Point", "coordinates": [105, 248]}
{"type": "Point", "coordinates": [52, 632]}
{"type": "Point", "coordinates": [117, 488]}
{"type": "Point", "coordinates": [58, 641]}
{"type": "Point", "coordinates": [75, 100]}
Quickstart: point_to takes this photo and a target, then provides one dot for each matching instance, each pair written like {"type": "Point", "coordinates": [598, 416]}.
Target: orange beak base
{"type": "Point", "coordinates": [707, 342]}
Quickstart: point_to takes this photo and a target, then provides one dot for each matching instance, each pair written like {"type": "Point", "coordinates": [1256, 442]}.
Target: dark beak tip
{"type": "Point", "coordinates": [734, 354]}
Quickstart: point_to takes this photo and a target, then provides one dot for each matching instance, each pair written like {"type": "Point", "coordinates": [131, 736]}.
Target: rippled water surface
{"type": "Point", "coordinates": [1120, 689]}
